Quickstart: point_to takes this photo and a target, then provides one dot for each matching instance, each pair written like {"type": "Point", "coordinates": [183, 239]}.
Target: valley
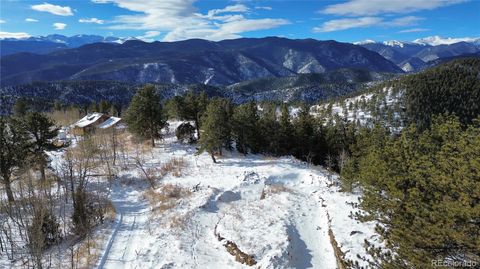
{"type": "Point", "coordinates": [239, 134]}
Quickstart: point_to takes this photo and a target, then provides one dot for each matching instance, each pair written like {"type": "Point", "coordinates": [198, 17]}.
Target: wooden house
{"type": "Point", "coordinates": [88, 123]}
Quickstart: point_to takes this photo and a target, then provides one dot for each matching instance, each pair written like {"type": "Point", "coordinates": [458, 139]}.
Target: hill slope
{"type": "Point", "coordinates": [191, 61]}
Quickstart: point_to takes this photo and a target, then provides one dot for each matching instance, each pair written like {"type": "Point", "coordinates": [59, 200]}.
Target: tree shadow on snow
{"type": "Point", "coordinates": [300, 256]}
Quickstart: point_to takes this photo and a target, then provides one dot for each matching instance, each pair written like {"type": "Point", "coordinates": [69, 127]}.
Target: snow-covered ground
{"type": "Point", "coordinates": [276, 211]}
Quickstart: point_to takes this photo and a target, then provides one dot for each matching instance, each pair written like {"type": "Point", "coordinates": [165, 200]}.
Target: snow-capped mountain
{"type": "Point", "coordinates": [366, 41]}
{"type": "Point", "coordinates": [50, 43]}
{"type": "Point", "coordinates": [438, 40]}
{"type": "Point", "coordinates": [413, 56]}
{"type": "Point", "coordinates": [73, 41]}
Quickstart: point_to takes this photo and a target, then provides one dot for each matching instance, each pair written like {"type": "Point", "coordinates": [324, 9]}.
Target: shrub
{"type": "Point", "coordinates": [44, 230]}
{"type": "Point", "coordinates": [88, 211]}
{"type": "Point", "coordinates": [186, 133]}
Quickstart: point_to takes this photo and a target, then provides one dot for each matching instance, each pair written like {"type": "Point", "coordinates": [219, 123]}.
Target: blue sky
{"type": "Point", "coordinates": [169, 20]}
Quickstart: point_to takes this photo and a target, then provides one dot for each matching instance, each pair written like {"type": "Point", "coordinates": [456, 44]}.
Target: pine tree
{"type": "Point", "coordinates": [304, 134]}
{"type": "Point", "coordinates": [269, 128]}
{"type": "Point", "coordinates": [57, 106]}
{"type": "Point", "coordinates": [215, 127]}
{"type": "Point", "coordinates": [14, 147]}
{"type": "Point", "coordinates": [245, 128]}
{"type": "Point", "coordinates": [193, 108]}
{"type": "Point", "coordinates": [286, 131]}
{"type": "Point", "coordinates": [144, 115]}
{"type": "Point", "coordinates": [20, 108]}
{"type": "Point", "coordinates": [423, 189]}
{"type": "Point", "coordinates": [42, 130]}
{"type": "Point", "coordinates": [104, 107]}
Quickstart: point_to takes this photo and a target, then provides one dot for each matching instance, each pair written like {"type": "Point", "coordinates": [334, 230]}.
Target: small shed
{"type": "Point", "coordinates": [88, 123]}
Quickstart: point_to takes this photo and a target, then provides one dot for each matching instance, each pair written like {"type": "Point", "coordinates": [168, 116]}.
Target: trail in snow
{"type": "Point", "coordinates": [125, 246]}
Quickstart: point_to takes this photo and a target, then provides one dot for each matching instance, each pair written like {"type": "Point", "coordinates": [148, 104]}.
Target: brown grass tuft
{"type": "Point", "coordinates": [174, 167]}
{"type": "Point", "coordinates": [165, 197]}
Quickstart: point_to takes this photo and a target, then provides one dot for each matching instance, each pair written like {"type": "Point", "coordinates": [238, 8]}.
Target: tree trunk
{"type": "Point", "coordinates": [152, 141]}
{"type": "Point", "coordinates": [197, 126]}
{"type": "Point", "coordinates": [114, 145]}
{"type": "Point", "coordinates": [8, 189]}
{"type": "Point", "coordinates": [42, 171]}
{"type": "Point", "coordinates": [213, 158]}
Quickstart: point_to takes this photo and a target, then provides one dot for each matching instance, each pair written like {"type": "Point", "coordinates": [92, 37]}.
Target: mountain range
{"type": "Point", "coordinates": [50, 43]}
{"type": "Point", "coordinates": [84, 68]}
{"type": "Point", "coordinates": [422, 53]}
{"type": "Point", "coordinates": [409, 56]}
{"type": "Point", "coordinates": [191, 61]}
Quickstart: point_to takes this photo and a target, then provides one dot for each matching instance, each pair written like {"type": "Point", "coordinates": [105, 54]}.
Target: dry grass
{"type": "Point", "coordinates": [269, 158]}
{"type": "Point", "coordinates": [174, 167]}
{"type": "Point", "coordinates": [110, 211]}
{"type": "Point", "coordinates": [87, 254]}
{"type": "Point", "coordinates": [65, 118]}
{"type": "Point", "coordinates": [274, 189]}
{"type": "Point", "coordinates": [179, 222]}
{"type": "Point", "coordinates": [165, 197]}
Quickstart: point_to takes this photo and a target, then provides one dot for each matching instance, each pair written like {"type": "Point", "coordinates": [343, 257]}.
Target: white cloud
{"type": "Point", "coordinates": [147, 37]}
{"type": "Point", "coordinates": [363, 22]}
{"type": "Point", "coordinates": [228, 30]}
{"type": "Point", "coordinates": [180, 20]}
{"type": "Point", "coordinates": [54, 9]}
{"type": "Point", "coordinates": [343, 24]}
{"type": "Point", "coordinates": [59, 26]}
{"type": "Point", "coordinates": [91, 20]}
{"type": "Point", "coordinates": [375, 7]}
{"type": "Point", "coordinates": [2, 21]}
{"type": "Point", "coordinates": [413, 30]}
{"type": "Point", "coordinates": [263, 7]}
{"type": "Point", "coordinates": [13, 35]}
{"type": "Point", "coordinates": [403, 21]}
{"type": "Point", "coordinates": [227, 9]}
{"type": "Point", "coordinates": [31, 20]}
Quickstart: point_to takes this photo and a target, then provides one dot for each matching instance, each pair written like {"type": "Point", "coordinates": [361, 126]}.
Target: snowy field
{"type": "Point", "coordinates": [244, 212]}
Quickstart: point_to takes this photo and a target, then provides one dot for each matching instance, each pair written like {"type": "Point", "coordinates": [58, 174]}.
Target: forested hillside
{"type": "Point", "coordinates": [308, 88]}
{"type": "Point", "coordinates": [415, 158]}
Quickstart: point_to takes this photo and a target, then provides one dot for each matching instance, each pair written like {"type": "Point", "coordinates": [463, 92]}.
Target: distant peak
{"type": "Point", "coordinates": [438, 40]}
{"type": "Point", "coordinates": [395, 43]}
{"type": "Point", "coordinates": [364, 42]}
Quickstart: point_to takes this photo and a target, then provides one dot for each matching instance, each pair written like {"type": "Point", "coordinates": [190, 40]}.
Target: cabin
{"type": "Point", "coordinates": [110, 123]}
{"type": "Point", "coordinates": [113, 124]}
{"type": "Point", "coordinates": [90, 122]}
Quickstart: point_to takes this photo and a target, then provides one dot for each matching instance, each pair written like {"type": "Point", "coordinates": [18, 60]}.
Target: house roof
{"type": "Point", "coordinates": [109, 122]}
{"type": "Point", "coordinates": [87, 120]}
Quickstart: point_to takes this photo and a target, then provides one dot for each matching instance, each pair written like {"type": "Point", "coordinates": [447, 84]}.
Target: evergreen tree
{"type": "Point", "coordinates": [423, 188]}
{"type": "Point", "coordinates": [94, 107]}
{"type": "Point", "coordinates": [215, 127]}
{"type": "Point", "coordinates": [42, 131]}
{"type": "Point", "coordinates": [269, 128]}
{"type": "Point", "coordinates": [185, 133]}
{"type": "Point", "coordinates": [14, 147]}
{"type": "Point", "coordinates": [193, 108]}
{"type": "Point", "coordinates": [57, 106]}
{"type": "Point", "coordinates": [20, 107]}
{"type": "Point", "coordinates": [245, 128]}
{"type": "Point", "coordinates": [144, 115]}
{"type": "Point", "coordinates": [104, 107]}
{"type": "Point", "coordinates": [304, 134]}
{"type": "Point", "coordinates": [286, 131]}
